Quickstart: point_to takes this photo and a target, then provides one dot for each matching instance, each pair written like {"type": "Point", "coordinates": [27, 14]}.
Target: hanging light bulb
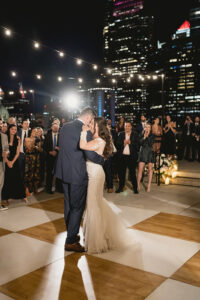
{"type": "Point", "coordinates": [109, 71]}
{"type": "Point", "coordinates": [7, 32]}
{"type": "Point", "coordinates": [113, 80]}
{"type": "Point", "coordinates": [38, 76]}
{"type": "Point", "coordinates": [36, 45]}
{"type": "Point", "coordinates": [98, 81]}
{"type": "Point", "coordinates": [95, 67]}
{"type": "Point", "coordinates": [60, 78]}
{"type": "Point", "coordinates": [131, 75]}
{"type": "Point", "coordinates": [128, 80]}
{"type": "Point", "coordinates": [11, 93]}
{"type": "Point", "coordinates": [149, 77]}
{"type": "Point", "coordinates": [13, 74]}
{"type": "Point", "coordinates": [79, 61]}
{"type": "Point", "coordinates": [80, 80]}
{"type": "Point", "coordinates": [155, 77]}
{"type": "Point", "coordinates": [31, 91]}
{"type": "Point", "coordinates": [61, 54]}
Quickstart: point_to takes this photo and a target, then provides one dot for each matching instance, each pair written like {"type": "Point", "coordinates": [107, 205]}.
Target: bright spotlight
{"type": "Point", "coordinates": [71, 100]}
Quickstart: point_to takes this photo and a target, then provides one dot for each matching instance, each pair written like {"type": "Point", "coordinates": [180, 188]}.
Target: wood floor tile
{"type": "Point", "coordinates": [47, 231]}
{"type": "Point", "coordinates": [190, 271]}
{"type": "Point", "coordinates": [177, 226]}
{"type": "Point", "coordinates": [4, 232]}
{"type": "Point", "coordinates": [55, 205]}
{"type": "Point", "coordinates": [80, 277]}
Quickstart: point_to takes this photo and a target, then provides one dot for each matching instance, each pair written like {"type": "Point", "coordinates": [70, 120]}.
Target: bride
{"type": "Point", "coordinates": [102, 227]}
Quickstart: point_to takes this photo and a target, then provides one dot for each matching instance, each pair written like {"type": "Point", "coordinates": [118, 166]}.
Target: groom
{"type": "Point", "coordinates": [71, 169]}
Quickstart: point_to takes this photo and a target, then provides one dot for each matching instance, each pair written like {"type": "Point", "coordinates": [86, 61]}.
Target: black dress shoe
{"type": "Point", "coordinates": [77, 239]}
{"type": "Point", "coordinates": [76, 247]}
{"type": "Point", "coordinates": [119, 191]}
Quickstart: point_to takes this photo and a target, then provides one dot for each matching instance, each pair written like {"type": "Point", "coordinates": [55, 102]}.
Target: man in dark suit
{"type": "Point", "coordinates": [127, 147]}
{"type": "Point", "coordinates": [51, 149]}
{"type": "Point", "coordinates": [71, 169]}
{"type": "Point", "coordinates": [23, 133]}
{"type": "Point", "coordinates": [142, 124]}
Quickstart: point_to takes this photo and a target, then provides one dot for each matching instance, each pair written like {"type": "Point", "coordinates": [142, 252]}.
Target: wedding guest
{"type": "Point", "coordinates": [169, 138]}
{"type": "Point", "coordinates": [41, 138]}
{"type": "Point", "coordinates": [140, 127]}
{"type": "Point", "coordinates": [13, 184]}
{"type": "Point", "coordinates": [127, 147]}
{"type": "Point", "coordinates": [157, 131]}
{"type": "Point", "coordinates": [120, 125]}
{"type": "Point", "coordinates": [4, 127]}
{"type": "Point", "coordinates": [4, 148]}
{"type": "Point", "coordinates": [146, 155]}
{"type": "Point", "coordinates": [23, 133]}
{"type": "Point", "coordinates": [51, 149]}
{"type": "Point", "coordinates": [12, 121]}
{"type": "Point", "coordinates": [32, 163]}
{"type": "Point", "coordinates": [1, 124]}
{"type": "Point", "coordinates": [187, 138]}
{"type": "Point", "coordinates": [196, 140]}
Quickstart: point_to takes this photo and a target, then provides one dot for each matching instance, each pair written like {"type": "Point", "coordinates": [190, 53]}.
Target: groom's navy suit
{"type": "Point", "coordinates": [71, 169]}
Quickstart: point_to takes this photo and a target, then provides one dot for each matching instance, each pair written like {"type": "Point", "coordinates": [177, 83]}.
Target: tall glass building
{"type": "Point", "coordinates": [128, 40]}
{"type": "Point", "coordinates": [179, 59]}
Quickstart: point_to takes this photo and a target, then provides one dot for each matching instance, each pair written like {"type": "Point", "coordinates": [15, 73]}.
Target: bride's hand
{"type": "Point", "coordinates": [85, 128]}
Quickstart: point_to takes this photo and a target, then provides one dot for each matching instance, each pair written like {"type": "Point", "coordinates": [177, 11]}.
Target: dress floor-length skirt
{"type": "Point", "coordinates": [103, 228]}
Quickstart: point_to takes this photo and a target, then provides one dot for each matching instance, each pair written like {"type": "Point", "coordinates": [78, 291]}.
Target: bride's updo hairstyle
{"type": "Point", "coordinates": [105, 135]}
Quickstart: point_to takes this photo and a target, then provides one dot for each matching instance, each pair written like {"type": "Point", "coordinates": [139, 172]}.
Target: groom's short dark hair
{"type": "Point", "coordinates": [87, 111]}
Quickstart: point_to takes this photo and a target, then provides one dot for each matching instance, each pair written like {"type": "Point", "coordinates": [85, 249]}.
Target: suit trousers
{"type": "Point", "coordinates": [74, 205]}
{"type": "Point", "coordinates": [126, 161]}
{"type": "Point", "coordinates": [1, 178]}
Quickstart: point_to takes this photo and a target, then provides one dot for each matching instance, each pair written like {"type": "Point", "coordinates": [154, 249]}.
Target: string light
{"type": "Point", "coordinates": [114, 80]}
{"type": "Point", "coordinates": [7, 32]}
{"type": "Point", "coordinates": [128, 80]}
{"type": "Point", "coordinates": [79, 61]}
{"type": "Point", "coordinates": [98, 81]}
{"type": "Point", "coordinates": [80, 80]}
{"type": "Point", "coordinates": [95, 67]}
{"type": "Point", "coordinates": [31, 91]}
{"type": "Point", "coordinates": [36, 45]}
{"type": "Point", "coordinates": [131, 75]}
{"type": "Point", "coordinates": [13, 74]}
{"type": "Point", "coordinates": [61, 54]}
{"type": "Point", "coordinates": [38, 76]}
{"type": "Point", "coordinates": [60, 78]}
{"type": "Point", "coordinates": [109, 71]}
{"type": "Point", "coordinates": [155, 77]}
{"type": "Point", "coordinates": [11, 93]}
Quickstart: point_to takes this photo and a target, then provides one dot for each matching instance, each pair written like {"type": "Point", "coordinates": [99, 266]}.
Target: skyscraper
{"type": "Point", "coordinates": [179, 60]}
{"type": "Point", "coordinates": [128, 40]}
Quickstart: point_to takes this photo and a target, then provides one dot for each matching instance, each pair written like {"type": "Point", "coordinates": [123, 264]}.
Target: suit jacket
{"type": "Point", "coordinates": [196, 129]}
{"type": "Point", "coordinates": [134, 145]}
{"type": "Point", "coordinates": [185, 129]}
{"type": "Point", "coordinates": [71, 162]}
{"type": "Point", "coordinates": [4, 143]}
{"type": "Point", "coordinates": [19, 132]}
{"type": "Point", "coordinates": [48, 143]}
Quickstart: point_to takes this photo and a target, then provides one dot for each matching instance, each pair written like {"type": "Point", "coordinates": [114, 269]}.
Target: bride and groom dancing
{"type": "Point", "coordinates": [84, 143]}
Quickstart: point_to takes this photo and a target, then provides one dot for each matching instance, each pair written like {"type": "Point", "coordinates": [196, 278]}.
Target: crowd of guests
{"type": "Point", "coordinates": [27, 160]}
{"type": "Point", "coordinates": [28, 154]}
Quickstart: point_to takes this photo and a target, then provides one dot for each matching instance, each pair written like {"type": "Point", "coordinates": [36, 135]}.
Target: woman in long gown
{"type": "Point", "coordinates": [13, 184]}
{"type": "Point", "coordinates": [32, 163]}
{"type": "Point", "coordinates": [102, 227]}
{"type": "Point", "coordinates": [169, 142]}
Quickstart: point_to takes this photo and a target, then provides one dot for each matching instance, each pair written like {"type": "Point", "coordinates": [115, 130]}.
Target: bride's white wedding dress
{"type": "Point", "coordinates": [102, 227]}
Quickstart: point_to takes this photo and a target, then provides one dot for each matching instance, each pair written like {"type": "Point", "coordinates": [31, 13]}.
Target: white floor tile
{"type": "Point", "coordinates": [19, 218]}
{"type": "Point", "coordinates": [175, 290]}
{"type": "Point", "coordinates": [21, 254]}
{"type": "Point", "coordinates": [4, 297]}
{"type": "Point", "coordinates": [154, 253]}
{"type": "Point", "coordinates": [133, 215]}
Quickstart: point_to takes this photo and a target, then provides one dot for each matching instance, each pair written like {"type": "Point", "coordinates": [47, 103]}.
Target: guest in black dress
{"type": "Point", "coordinates": [13, 184]}
{"type": "Point", "coordinates": [169, 139]}
{"type": "Point", "coordinates": [146, 155]}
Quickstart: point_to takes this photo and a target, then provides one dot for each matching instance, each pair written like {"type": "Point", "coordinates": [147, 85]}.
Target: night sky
{"type": "Point", "coordinates": [76, 28]}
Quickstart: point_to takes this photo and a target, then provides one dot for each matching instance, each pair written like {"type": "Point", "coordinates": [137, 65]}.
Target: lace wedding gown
{"type": "Point", "coordinates": [102, 227]}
